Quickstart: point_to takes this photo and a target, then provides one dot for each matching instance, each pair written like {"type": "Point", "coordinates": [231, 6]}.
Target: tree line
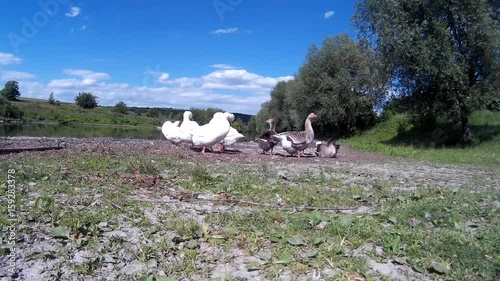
{"type": "Point", "coordinates": [436, 61]}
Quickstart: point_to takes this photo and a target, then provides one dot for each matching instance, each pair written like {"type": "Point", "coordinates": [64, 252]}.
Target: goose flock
{"type": "Point", "coordinates": [219, 133]}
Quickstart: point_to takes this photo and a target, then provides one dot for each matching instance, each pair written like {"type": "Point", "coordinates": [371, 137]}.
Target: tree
{"type": "Point", "coordinates": [153, 113]}
{"type": "Point", "coordinates": [86, 100]}
{"type": "Point", "coordinates": [11, 90]}
{"type": "Point", "coordinates": [120, 107]}
{"type": "Point", "coordinates": [51, 98]}
{"type": "Point", "coordinates": [443, 55]}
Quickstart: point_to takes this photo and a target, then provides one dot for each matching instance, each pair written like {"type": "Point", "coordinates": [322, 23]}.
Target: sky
{"type": "Point", "coordinates": [227, 54]}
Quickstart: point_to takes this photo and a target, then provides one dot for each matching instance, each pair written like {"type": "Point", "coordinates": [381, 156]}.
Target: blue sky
{"type": "Point", "coordinates": [213, 53]}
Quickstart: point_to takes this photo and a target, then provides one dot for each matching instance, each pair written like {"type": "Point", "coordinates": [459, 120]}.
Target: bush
{"type": "Point", "coordinates": [120, 107]}
{"type": "Point", "coordinates": [86, 100]}
{"type": "Point", "coordinates": [9, 110]}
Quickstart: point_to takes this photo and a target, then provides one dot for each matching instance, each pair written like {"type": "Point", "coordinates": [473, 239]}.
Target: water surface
{"type": "Point", "coordinates": [78, 131]}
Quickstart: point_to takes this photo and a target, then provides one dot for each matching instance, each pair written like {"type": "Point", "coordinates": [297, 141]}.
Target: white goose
{"type": "Point", "coordinates": [232, 136]}
{"type": "Point", "coordinates": [167, 128]}
{"type": "Point", "coordinates": [188, 124]}
{"type": "Point", "coordinates": [296, 141]}
{"type": "Point", "coordinates": [212, 133]}
{"type": "Point", "coordinates": [173, 133]}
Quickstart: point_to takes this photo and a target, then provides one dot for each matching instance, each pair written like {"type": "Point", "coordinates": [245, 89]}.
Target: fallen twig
{"type": "Point", "coordinates": [21, 149]}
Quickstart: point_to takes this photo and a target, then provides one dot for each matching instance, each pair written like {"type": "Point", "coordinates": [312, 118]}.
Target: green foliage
{"type": "Point", "coordinates": [51, 99]}
{"type": "Point", "coordinates": [86, 100]}
{"type": "Point", "coordinates": [11, 90]}
{"type": "Point", "coordinates": [153, 113]}
{"type": "Point", "coordinates": [9, 110]}
{"type": "Point", "coordinates": [341, 82]}
{"type": "Point", "coordinates": [120, 107]}
{"type": "Point", "coordinates": [443, 54]}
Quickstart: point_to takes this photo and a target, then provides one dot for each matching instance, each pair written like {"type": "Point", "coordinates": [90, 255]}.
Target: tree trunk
{"type": "Point", "coordinates": [466, 132]}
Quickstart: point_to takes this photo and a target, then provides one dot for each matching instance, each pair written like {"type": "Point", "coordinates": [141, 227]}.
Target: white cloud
{"type": "Point", "coordinates": [73, 12]}
{"type": "Point", "coordinates": [235, 90]}
{"type": "Point", "coordinates": [222, 66]}
{"type": "Point", "coordinates": [225, 31]}
{"type": "Point", "coordinates": [84, 27]}
{"type": "Point", "coordinates": [329, 14]}
{"type": "Point", "coordinates": [7, 75]}
{"type": "Point", "coordinates": [87, 74]}
{"type": "Point", "coordinates": [6, 58]}
{"type": "Point", "coordinates": [163, 78]}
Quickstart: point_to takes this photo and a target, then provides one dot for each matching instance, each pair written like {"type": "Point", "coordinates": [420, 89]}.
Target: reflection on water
{"type": "Point", "coordinates": [78, 131]}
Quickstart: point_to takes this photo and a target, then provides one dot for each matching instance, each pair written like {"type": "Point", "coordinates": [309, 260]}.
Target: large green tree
{"type": "Point", "coordinates": [340, 82]}
{"type": "Point", "coordinates": [11, 90]}
{"type": "Point", "coordinates": [443, 54]}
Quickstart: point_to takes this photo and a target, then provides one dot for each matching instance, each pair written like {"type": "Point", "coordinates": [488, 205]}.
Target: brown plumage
{"type": "Point", "coordinates": [297, 141]}
{"type": "Point", "coordinates": [327, 149]}
{"type": "Point", "coordinates": [265, 140]}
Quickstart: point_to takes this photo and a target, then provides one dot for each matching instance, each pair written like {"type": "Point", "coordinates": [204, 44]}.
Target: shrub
{"type": "Point", "coordinates": [120, 107]}
{"type": "Point", "coordinates": [9, 110]}
{"type": "Point", "coordinates": [86, 100]}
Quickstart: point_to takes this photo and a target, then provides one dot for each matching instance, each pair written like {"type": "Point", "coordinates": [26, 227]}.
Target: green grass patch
{"type": "Point", "coordinates": [397, 137]}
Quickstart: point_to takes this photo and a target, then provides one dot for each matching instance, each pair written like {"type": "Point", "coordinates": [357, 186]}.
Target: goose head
{"type": "Point", "coordinates": [311, 116]}
{"type": "Point", "coordinates": [188, 115]}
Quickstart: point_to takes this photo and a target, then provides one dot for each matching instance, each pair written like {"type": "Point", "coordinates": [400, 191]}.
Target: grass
{"type": "Point", "coordinates": [41, 110]}
{"type": "Point", "coordinates": [441, 232]}
{"type": "Point", "coordinates": [397, 137]}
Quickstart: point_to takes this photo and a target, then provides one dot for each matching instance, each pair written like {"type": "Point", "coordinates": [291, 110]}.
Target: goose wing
{"type": "Point", "coordinates": [297, 137]}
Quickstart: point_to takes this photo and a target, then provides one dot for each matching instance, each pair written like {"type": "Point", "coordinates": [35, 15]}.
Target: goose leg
{"type": "Point", "coordinates": [203, 150]}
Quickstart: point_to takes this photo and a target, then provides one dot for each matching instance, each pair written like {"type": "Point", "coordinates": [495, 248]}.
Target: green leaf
{"type": "Point", "coordinates": [347, 220]}
{"type": "Point", "coordinates": [275, 238]}
{"type": "Point", "coordinates": [264, 255]}
{"type": "Point", "coordinates": [318, 241]}
{"type": "Point", "coordinates": [39, 203]}
{"type": "Point", "coordinates": [106, 258]}
{"type": "Point", "coordinates": [395, 244]}
{"type": "Point", "coordinates": [284, 259]}
{"type": "Point", "coordinates": [254, 265]}
{"type": "Point", "coordinates": [204, 228]}
{"type": "Point", "coordinates": [440, 267]}
{"type": "Point", "coordinates": [45, 178]}
{"type": "Point", "coordinates": [296, 240]}
{"type": "Point", "coordinates": [60, 232]}
{"type": "Point", "coordinates": [399, 260]}
{"type": "Point", "coordinates": [315, 217]}
{"type": "Point", "coordinates": [393, 220]}
{"type": "Point", "coordinates": [311, 254]}
{"type": "Point", "coordinates": [418, 268]}
{"type": "Point", "coordinates": [192, 244]}
{"type": "Point", "coordinates": [163, 278]}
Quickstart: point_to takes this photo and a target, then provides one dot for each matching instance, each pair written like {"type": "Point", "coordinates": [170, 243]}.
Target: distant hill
{"type": "Point", "coordinates": [41, 110]}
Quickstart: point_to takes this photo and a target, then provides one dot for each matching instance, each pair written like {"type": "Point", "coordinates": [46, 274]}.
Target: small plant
{"type": "Point", "coordinates": [51, 98]}
{"type": "Point", "coordinates": [86, 100]}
